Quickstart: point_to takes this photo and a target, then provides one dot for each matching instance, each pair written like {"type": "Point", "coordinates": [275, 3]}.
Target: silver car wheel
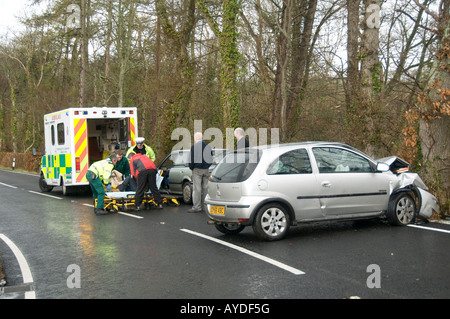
{"type": "Point", "coordinates": [272, 222]}
{"type": "Point", "coordinates": [405, 210]}
{"type": "Point", "coordinates": [402, 209]}
{"type": "Point", "coordinates": [187, 193]}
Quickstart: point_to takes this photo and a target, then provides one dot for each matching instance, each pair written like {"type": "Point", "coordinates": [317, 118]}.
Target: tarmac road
{"type": "Point", "coordinates": [171, 254]}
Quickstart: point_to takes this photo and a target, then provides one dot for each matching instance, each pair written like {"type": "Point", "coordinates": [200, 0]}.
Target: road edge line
{"type": "Point", "coordinates": [23, 264]}
{"type": "Point", "coordinates": [430, 228]}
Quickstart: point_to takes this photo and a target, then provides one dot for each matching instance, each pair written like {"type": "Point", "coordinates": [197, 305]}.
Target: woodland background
{"type": "Point", "coordinates": [371, 73]}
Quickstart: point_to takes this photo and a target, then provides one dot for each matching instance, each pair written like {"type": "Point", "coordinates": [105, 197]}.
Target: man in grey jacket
{"type": "Point", "coordinates": [200, 161]}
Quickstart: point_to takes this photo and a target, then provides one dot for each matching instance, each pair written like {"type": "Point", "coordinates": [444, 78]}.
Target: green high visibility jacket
{"type": "Point", "coordinates": [103, 170]}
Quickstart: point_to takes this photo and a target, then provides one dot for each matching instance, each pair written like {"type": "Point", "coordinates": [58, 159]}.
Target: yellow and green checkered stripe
{"type": "Point", "coordinates": [53, 166]}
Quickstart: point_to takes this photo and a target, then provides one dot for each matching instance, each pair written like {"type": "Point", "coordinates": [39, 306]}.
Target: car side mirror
{"type": "Point", "coordinates": [382, 167]}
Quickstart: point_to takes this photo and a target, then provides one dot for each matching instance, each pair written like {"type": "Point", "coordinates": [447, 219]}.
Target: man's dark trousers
{"type": "Point", "coordinates": [145, 180]}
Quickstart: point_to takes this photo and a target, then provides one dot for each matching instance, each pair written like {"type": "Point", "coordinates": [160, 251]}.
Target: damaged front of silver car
{"type": "Point", "coordinates": [407, 182]}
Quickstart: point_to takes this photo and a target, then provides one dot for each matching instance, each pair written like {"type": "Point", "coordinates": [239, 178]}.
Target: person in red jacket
{"type": "Point", "coordinates": [144, 171]}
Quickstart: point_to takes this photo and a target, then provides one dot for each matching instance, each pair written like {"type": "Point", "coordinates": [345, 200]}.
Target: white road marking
{"type": "Point", "coordinates": [10, 186]}
{"type": "Point", "coordinates": [121, 213]}
{"type": "Point", "coordinates": [16, 172]}
{"type": "Point", "coordinates": [44, 195]}
{"type": "Point", "coordinates": [26, 272]}
{"type": "Point", "coordinates": [430, 228]}
{"type": "Point", "coordinates": [248, 252]}
{"type": "Point", "coordinates": [130, 215]}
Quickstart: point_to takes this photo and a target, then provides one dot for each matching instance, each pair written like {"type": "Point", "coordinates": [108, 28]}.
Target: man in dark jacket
{"type": "Point", "coordinates": [144, 171]}
{"type": "Point", "coordinates": [242, 142]}
{"type": "Point", "coordinates": [201, 160]}
{"type": "Point", "coordinates": [122, 165]}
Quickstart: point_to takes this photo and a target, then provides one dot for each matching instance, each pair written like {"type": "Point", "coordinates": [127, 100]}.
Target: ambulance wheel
{"type": "Point", "coordinates": [65, 189]}
{"type": "Point", "coordinates": [43, 185]}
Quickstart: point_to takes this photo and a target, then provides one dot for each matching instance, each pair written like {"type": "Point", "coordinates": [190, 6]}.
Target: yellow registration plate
{"type": "Point", "coordinates": [217, 210]}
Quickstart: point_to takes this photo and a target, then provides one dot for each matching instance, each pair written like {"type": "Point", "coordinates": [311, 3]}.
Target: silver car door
{"type": "Point", "coordinates": [348, 183]}
{"type": "Point", "coordinates": [290, 177]}
{"type": "Point", "coordinates": [179, 171]}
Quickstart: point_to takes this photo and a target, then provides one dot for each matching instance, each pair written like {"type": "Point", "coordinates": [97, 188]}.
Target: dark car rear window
{"type": "Point", "coordinates": [236, 166]}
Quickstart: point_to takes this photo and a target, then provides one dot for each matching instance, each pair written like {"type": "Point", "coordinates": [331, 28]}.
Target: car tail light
{"type": "Point", "coordinates": [243, 220]}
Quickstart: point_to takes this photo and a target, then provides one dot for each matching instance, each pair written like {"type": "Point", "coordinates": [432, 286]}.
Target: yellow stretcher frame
{"type": "Point", "coordinates": [122, 201]}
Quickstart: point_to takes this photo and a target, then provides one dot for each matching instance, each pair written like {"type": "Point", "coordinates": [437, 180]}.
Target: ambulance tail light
{"type": "Point", "coordinates": [77, 164]}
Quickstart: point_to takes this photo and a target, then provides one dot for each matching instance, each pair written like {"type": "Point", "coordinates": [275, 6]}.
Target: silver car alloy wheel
{"type": "Point", "coordinates": [273, 222]}
{"type": "Point", "coordinates": [405, 210]}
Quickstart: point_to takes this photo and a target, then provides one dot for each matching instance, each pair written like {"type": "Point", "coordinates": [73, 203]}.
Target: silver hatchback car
{"type": "Point", "coordinates": [274, 187]}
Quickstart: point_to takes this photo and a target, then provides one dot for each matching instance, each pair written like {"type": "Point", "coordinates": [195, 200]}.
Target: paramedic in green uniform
{"type": "Point", "coordinates": [122, 165]}
{"type": "Point", "coordinates": [98, 175]}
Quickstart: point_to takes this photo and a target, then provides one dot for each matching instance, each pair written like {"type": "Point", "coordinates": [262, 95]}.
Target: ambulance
{"type": "Point", "coordinates": [77, 137]}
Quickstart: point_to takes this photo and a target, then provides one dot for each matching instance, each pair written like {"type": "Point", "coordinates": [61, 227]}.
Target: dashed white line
{"type": "Point", "coordinates": [121, 213]}
{"type": "Point", "coordinates": [248, 252]}
{"type": "Point", "coordinates": [44, 195]}
{"type": "Point", "coordinates": [88, 205]}
{"type": "Point", "coordinates": [130, 215]}
{"type": "Point", "coordinates": [10, 186]}
{"type": "Point", "coordinates": [26, 272]}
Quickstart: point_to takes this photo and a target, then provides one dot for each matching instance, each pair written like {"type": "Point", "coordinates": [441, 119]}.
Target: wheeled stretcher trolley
{"type": "Point", "coordinates": [123, 201]}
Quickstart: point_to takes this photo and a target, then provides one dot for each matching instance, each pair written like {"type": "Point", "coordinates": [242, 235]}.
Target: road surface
{"type": "Point", "coordinates": [70, 253]}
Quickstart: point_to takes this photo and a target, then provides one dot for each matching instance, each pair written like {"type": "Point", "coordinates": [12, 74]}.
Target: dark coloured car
{"type": "Point", "coordinates": [177, 175]}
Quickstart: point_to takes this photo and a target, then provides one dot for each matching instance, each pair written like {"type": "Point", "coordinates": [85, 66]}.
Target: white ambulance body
{"type": "Point", "coordinates": [77, 137]}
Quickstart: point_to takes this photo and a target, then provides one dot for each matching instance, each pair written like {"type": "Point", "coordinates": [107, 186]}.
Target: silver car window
{"type": "Point", "coordinates": [236, 166]}
{"type": "Point", "coordinates": [218, 155]}
{"type": "Point", "coordinates": [178, 158]}
{"type": "Point", "coordinates": [293, 162]}
{"type": "Point", "coordinates": [336, 160]}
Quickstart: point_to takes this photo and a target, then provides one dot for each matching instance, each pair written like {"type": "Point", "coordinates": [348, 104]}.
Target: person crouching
{"type": "Point", "coordinates": [98, 176]}
{"type": "Point", "coordinates": [144, 171]}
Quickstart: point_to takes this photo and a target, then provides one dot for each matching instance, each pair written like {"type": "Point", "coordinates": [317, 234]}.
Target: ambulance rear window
{"type": "Point", "coordinates": [53, 134]}
{"type": "Point", "coordinates": [60, 129]}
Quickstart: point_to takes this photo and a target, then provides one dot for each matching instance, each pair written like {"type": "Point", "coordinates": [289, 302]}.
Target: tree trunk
{"type": "Point", "coordinates": [434, 108]}
{"type": "Point", "coordinates": [371, 78]}
{"type": "Point", "coordinates": [300, 58]}
{"type": "Point", "coordinates": [279, 110]}
{"type": "Point", "coordinates": [108, 54]}
{"type": "Point", "coordinates": [230, 57]}
{"type": "Point", "coordinates": [125, 31]}
{"type": "Point", "coordinates": [84, 55]}
{"type": "Point", "coordinates": [353, 76]}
